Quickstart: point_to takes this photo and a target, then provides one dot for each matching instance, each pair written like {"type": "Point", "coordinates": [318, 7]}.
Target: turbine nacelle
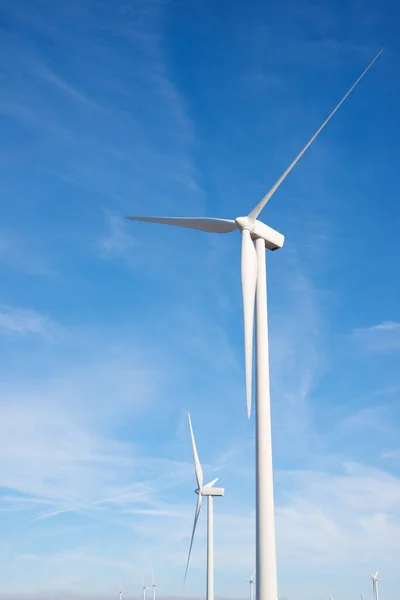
{"type": "Point", "coordinates": [211, 491]}
{"type": "Point", "coordinates": [273, 239]}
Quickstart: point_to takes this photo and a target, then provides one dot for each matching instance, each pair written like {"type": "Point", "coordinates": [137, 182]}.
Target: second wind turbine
{"type": "Point", "coordinates": [210, 492]}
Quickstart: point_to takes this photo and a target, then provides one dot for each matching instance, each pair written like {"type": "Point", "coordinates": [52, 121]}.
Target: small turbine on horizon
{"type": "Point", "coordinates": [375, 590]}
{"type": "Point", "coordinates": [121, 594]}
{"type": "Point", "coordinates": [251, 584]}
{"type": "Point", "coordinates": [209, 491]}
{"type": "Point", "coordinates": [144, 588]}
{"type": "Point", "coordinates": [154, 586]}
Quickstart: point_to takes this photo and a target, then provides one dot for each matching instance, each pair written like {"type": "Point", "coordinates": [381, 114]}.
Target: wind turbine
{"type": "Point", "coordinates": [375, 590]}
{"type": "Point", "coordinates": [144, 588]}
{"type": "Point", "coordinates": [154, 586]}
{"type": "Point", "coordinates": [362, 597]}
{"type": "Point", "coordinates": [251, 583]}
{"type": "Point", "coordinates": [210, 491]}
{"type": "Point", "coordinates": [121, 593]}
{"type": "Point", "coordinates": [256, 237]}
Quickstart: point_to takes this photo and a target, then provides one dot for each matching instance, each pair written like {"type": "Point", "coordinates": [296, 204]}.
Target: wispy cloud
{"type": "Point", "coordinates": [381, 338]}
{"type": "Point", "coordinates": [21, 321]}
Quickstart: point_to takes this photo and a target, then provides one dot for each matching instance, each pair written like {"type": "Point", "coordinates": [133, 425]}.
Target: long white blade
{"type": "Point", "coordinates": [197, 465]}
{"type": "Point", "coordinates": [196, 517]}
{"type": "Point", "coordinates": [256, 211]}
{"type": "Point", "coordinates": [200, 223]}
{"type": "Point", "coordinates": [252, 577]}
{"type": "Point", "coordinates": [211, 483]}
{"type": "Point", "coordinates": [249, 280]}
{"type": "Point", "coordinates": [152, 579]}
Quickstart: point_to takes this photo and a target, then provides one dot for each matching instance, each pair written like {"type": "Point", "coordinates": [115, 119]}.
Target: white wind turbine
{"type": "Point", "coordinates": [251, 584]}
{"type": "Point", "coordinates": [256, 237]}
{"type": "Point", "coordinates": [121, 593]}
{"type": "Point", "coordinates": [154, 586]}
{"type": "Point", "coordinates": [144, 588]}
{"type": "Point", "coordinates": [210, 491]}
{"type": "Point", "coordinates": [375, 589]}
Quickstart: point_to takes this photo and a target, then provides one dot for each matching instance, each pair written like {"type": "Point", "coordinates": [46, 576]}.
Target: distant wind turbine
{"type": "Point", "coordinates": [251, 584]}
{"type": "Point", "coordinates": [256, 237]}
{"type": "Point", "coordinates": [144, 588]}
{"type": "Point", "coordinates": [209, 491]}
{"type": "Point", "coordinates": [154, 586]}
{"type": "Point", "coordinates": [362, 597]}
{"type": "Point", "coordinates": [121, 593]}
{"type": "Point", "coordinates": [375, 590]}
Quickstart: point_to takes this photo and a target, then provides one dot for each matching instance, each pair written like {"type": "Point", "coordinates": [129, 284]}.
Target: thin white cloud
{"type": "Point", "coordinates": [381, 338]}
{"type": "Point", "coordinates": [20, 321]}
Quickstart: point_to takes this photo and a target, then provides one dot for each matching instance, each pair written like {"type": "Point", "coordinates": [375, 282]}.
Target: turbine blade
{"type": "Point", "coordinates": [249, 281]}
{"type": "Point", "coordinates": [197, 465]}
{"type": "Point", "coordinates": [211, 483]}
{"type": "Point", "coordinates": [152, 579]}
{"type": "Point", "coordinates": [196, 517]}
{"type": "Point", "coordinates": [142, 580]}
{"type": "Point", "coordinates": [256, 211]}
{"type": "Point", "coordinates": [199, 223]}
{"type": "Point", "coordinates": [252, 577]}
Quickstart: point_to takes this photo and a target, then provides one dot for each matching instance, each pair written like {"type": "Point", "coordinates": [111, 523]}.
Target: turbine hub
{"type": "Point", "coordinates": [245, 223]}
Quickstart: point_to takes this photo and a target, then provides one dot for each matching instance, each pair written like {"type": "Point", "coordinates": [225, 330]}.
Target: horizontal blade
{"type": "Point", "coordinates": [211, 483]}
{"type": "Point", "coordinates": [249, 281]}
{"type": "Point", "coordinates": [196, 517]}
{"type": "Point", "coordinates": [197, 465]}
{"type": "Point", "coordinates": [256, 211]}
{"type": "Point", "coordinates": [200, 223]}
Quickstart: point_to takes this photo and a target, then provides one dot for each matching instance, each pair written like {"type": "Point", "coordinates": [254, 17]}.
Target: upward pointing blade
{"type": "Point", "coordinates": [256, 211]}
{"type": "Point", "coordinates": [197, 465]}
{"type": "Point", "coordinates": [196, 516]}
{"type": "Point", "coordinates": [200, 223]}
{"type": "Point", "coordinates": [249, 280]}
{"type": "Point", "coordinates": [211, 482]}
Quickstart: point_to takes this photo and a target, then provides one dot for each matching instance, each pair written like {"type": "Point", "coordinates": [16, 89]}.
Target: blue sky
{"type": "Point", "coordinates": [110, 331]}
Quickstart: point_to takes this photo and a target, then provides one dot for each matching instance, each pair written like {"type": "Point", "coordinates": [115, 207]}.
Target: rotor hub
{"type": "Point", "coordinates": [245, 223]}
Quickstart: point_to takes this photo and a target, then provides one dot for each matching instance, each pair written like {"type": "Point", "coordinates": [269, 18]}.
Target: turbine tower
{"type": "Point", "coordinates": [251, 584]}
{"type": "Point", "coordinates": [154, 586]}
{"type": "Point", "coordinates": [210, 491]}
{"type": "Point", "coordinates": [256, 237]}
{"type": "Point", "coordinates": [375, 590]}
